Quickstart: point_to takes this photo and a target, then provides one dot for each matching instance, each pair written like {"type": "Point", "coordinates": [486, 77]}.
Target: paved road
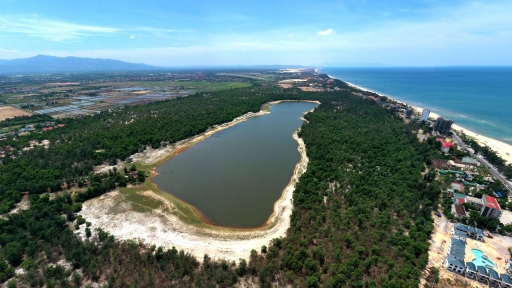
{"type": "Point", "coordinates": [493, 171]}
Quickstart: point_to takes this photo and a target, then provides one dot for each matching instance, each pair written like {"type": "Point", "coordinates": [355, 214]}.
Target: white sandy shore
{"type": "Point", "coordinates": [503, 149]}
{"type": "Point", "coordinates": [159, 228]}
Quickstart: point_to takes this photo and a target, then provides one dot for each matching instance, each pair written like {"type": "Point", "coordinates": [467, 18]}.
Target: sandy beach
{"type": "Point", "coordinates": [115, 215]}
{"type": "Point", "coordinates": [504, 150]}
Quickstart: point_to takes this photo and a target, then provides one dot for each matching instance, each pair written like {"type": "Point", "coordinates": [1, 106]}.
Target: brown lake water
{"type": "Point", "coordinates": [235, 176]}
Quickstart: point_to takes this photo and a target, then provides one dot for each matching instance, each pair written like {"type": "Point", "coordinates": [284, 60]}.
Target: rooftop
{"type": "Point", "coordinates": [493, 273]}
{"type": "Point", "coordinates": [506, 279]}
{"type": "Point", "coordinates": [460, 233]}
{"type": "Point", "coordinates": [482, 270]}
{"type": "Point", "coordinates": [460, 227]}
{"type": "Point", "coordinates": [475, 230]}
{"type": "Point", "coordinates": [459, 196]}
{"type": "Point", "coordinates": [471, 266]}
{"type": "Point", "coordinates": [458, 243]}
{"type": "Point", "coordinates": [469, 160]}
{"type": "Point", "coordinates": [456, 262]}
{"type": "Point", "coordinates": [459, 209]}
{"type": "Point", "coordinates": [446, 144]}
{"type": "Point", "coordinates": [457, 186]}
{"type": "Point", "coordinates": [473, 199]}
{"type": "Point", "coordinates": [491, 202]}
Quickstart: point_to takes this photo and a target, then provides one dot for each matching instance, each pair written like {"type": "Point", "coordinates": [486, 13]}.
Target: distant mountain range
{"type": "Point", "coordinates": [52, 64]}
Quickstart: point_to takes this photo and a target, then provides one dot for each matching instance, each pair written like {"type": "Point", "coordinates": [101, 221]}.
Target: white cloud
{"type": "Point", "coordinates": [290, 35]}
{"type": "Point", "coordinates": [9, 51]}
{"type": "Point", "coordinates": [326, 32]}
{"type": "Point", "coordinates": [49, 29]}
{"type": "Point", "coordinates": [155, 30]}
{"type": "Point", "coordinates": [54, 30]}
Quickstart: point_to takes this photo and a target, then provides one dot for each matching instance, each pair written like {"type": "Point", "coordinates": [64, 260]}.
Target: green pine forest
{"type": "Point", "coordinates": [362, 215]}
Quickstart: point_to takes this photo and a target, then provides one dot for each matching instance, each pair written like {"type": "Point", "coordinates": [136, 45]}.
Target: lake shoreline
{"type": "Point", "coordinates": [166, 229]}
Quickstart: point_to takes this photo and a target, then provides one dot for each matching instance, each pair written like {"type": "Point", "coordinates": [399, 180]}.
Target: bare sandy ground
{"type": "Point", "coordinates": [162, 228]}
{"type": "Point", "coordinates": [495, 249]}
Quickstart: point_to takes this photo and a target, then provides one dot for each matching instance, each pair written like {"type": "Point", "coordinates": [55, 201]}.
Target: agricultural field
{"type": "Point", "coordinates": [11, 112]}
{"type": "Point", "coordinates": [89, 99]}
{"type": "Point", "coordinates": [188, 85]}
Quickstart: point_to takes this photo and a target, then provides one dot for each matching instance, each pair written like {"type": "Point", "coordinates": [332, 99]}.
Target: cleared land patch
{"type": "Point", "coordinates": [11, 112]}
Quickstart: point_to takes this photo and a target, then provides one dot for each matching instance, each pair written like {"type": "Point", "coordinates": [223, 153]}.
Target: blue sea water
{"type": "Point", "coordinates": [476, 98]}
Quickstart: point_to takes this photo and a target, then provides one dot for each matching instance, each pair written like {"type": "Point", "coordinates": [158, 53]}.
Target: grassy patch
{"type": "Point", "coordinates": [7, 95]}
{"type": "Point", "coordinates": [141, 203]}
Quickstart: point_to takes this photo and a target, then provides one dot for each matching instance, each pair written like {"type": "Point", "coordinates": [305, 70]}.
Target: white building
{"type": "Point", "coordinates": [424, 115]}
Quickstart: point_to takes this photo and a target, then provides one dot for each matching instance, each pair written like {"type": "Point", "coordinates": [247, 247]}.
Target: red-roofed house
{"type": "Point", "coordinates": [445, 146]}
{"type": "Point", "coordinates": [490, 207]}
{"type": "Point", "coordinates": [457, 186]}
{"type": "Point", "coordinates": [462, 200]}
{"type": "Point", "coordinates": [460, 211]}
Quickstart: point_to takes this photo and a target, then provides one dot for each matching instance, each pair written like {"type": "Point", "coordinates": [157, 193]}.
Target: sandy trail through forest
{"type": "Point", "coordinates": [162, 227]}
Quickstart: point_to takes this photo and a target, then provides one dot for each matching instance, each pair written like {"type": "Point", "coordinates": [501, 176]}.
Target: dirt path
{"type": "Point", "coordinates": [162, 227]}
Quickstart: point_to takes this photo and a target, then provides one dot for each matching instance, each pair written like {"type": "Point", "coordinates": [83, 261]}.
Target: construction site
{"type": "Point", "coordinates": [445, 250]}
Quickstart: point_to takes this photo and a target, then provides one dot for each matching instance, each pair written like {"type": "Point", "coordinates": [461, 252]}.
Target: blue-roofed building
{"type": "Point", "coordinates": [458, 196]}
{"type": "Point", "coordinates": [483, 276]}
{"type": "Point", "coordinates": [455, 265]}
{"type": "Point", "coordinates": [459, 234]}
{"type": "Point", "coordinates": [457, 249]}
{"type": "Point", "coordinates": [477, 234]}
{"type": "Point", "coordinates": [469, 161]}
{"type": "Point", "coordinates": [471, 184]}
{"type": "Point", "coordinates": [494, 278]}
{"type": "Point", "coordinates": [460, 227]}
{"type": "Point", "coordinates": [471, 271]}
{"type": "Point", "coordinates": [499, 194]}
{"type": "Point", "coordinates": [457, 252]}
{"type": "Point", "coordinates": [506, 281]}
{"type": "Point", "coordinates": [458, 243]}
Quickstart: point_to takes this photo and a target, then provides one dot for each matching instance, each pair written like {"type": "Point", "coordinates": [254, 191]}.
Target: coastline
{"type": "Point", "coordinates": [166, 227]}
{"type": "Point", "coordinates": [504, 150]}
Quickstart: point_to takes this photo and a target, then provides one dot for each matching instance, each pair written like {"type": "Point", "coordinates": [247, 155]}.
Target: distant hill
{"type": "Point", "coordinates": [52, 64]}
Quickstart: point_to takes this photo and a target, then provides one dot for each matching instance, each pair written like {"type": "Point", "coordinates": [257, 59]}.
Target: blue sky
{"type": "Point", "coordinates": [317, 33]}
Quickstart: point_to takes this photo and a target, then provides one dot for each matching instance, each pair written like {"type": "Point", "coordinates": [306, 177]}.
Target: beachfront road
{"type": "Point", "coordinates": [493, 171]}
